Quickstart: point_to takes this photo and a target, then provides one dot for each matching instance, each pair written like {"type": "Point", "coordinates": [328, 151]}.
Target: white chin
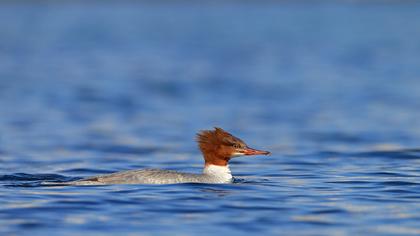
{"type": "Point", "coordinates": [237, 154]}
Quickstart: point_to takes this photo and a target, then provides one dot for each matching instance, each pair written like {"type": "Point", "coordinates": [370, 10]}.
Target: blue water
{"type": "Point", "coordinates": [332, 89]}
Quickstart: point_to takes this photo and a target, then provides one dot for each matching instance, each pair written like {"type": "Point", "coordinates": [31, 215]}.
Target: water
{"type": "Point", "coordinates": [331, 89]}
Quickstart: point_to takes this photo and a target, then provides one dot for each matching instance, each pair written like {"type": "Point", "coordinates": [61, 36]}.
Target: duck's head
{"type": "Point", "coordinates": [219, 146]}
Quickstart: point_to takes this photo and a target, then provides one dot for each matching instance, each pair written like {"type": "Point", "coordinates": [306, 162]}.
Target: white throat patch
{"type": "Point", "coordinates": [220, 172]}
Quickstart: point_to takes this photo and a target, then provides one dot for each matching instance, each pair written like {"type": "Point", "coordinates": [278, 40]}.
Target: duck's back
{"type": "Point", "coordinates": [147, 176]}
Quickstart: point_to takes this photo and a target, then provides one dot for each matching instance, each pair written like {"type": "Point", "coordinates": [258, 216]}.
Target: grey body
{"type": "Point", "coordinates": [211, 174]}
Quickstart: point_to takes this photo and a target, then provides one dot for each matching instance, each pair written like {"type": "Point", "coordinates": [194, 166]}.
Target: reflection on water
{"type": "Point", "coordinates": [331, 89]}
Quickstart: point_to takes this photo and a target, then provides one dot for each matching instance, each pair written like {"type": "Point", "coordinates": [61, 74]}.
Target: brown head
{"type": "Point", "coordinates": [218, 147]}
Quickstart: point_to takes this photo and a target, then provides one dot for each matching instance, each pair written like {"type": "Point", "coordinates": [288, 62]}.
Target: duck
{"type": "Point", "coordinates": [217, 146]}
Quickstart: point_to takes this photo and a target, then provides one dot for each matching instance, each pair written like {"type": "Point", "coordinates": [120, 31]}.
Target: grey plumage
{"type": "Point", "coordinates": [151, 176]}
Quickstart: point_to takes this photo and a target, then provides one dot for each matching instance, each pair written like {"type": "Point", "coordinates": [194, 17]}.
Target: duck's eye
{"type": "Point", "coordinates": [236, 145]}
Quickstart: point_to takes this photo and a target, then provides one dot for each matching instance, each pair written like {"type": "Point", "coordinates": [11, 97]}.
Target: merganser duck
{"type": "Point", "coordinates": [217, 146]}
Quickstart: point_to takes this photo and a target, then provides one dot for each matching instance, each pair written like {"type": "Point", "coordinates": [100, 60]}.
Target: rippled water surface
{"type": "Point", "coordinates": [332, 89]}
